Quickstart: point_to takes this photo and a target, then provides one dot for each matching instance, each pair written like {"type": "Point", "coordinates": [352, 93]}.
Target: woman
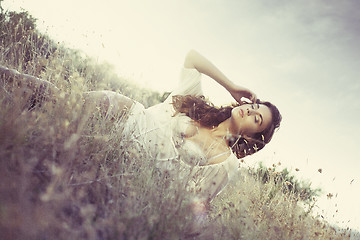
{"type": "Point", "coordinates": [188, 137]}
{"type": "Point", "coordinates": [191, 138]}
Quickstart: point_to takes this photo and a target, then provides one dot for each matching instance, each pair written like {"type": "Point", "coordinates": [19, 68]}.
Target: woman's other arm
{"type": "Point", "coordinates": [195, 60]}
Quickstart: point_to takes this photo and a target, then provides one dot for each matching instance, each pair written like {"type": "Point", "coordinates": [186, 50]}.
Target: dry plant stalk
{"type": "Point", "coordinates": [67, 174]}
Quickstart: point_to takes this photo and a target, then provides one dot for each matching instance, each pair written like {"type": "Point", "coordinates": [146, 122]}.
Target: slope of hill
{"type": "Point", "coordinates": [66, 174]}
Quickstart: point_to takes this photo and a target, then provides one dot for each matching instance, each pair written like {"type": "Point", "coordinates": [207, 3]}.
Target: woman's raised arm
{"type": "Point", "coordinates": [195, 60]}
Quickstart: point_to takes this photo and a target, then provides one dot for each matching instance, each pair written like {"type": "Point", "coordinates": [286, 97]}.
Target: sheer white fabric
{"type": "Point", "coordinates": [160, 134]}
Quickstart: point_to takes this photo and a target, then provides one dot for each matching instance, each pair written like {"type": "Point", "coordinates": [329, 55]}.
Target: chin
{"type": "Point", "coordinates": [235, 114]}
{"type": "Point", "coordinates": [234, 111]}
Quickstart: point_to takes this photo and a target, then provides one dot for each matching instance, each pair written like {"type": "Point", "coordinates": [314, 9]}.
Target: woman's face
{"type": "Point", "coordinates": [249, 119]}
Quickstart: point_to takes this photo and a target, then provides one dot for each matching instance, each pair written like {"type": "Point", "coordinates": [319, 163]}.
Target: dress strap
{"type": "Point", "coordinates": [216, 156]}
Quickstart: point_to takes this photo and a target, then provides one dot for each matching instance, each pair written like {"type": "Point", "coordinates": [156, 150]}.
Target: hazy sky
{"type": "Point", "coordinates": [303, 56]}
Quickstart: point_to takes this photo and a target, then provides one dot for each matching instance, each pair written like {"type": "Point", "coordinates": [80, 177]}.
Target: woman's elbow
{"type": "Point", "coordinates": [190, 59]}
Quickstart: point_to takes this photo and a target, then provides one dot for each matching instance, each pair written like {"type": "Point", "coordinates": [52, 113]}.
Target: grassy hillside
{"type": "Point", "coordinates": [66, 174]}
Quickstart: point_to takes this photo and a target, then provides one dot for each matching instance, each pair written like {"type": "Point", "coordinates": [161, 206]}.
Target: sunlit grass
{"type": "Point", "coordinates": [66, 172]}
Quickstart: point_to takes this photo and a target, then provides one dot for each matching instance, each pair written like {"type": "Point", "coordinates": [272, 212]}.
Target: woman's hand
{"type": "Point", "coordinates": [196, 60]}
{"type": "Point", "coordinates": [238, 92]}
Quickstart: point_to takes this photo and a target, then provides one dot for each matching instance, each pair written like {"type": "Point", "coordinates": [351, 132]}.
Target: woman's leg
{"type": "Point", "coordinates": [36, 89]}
{"type": "Point", "coordinates": [29, 81]}
{"type": "Point", "coordinates": [108, 104]}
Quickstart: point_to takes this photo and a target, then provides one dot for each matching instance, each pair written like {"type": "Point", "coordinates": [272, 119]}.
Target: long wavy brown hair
{"type": "Point", "coordinates": [208, 115]}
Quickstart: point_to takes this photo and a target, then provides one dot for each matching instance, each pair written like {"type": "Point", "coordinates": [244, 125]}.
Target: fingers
{"type": "Point", "coordinates": [253, 98]}
{"type": "Point", "coordinates": [241, 92]}
{"type": "Point", "coordinates": [250, 95]}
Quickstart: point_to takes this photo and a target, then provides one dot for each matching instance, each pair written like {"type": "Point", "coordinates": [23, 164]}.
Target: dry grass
{"type": "Point", "coordinates": [253, 210]}
{"type": "Point", "coordinates": [66, 173]}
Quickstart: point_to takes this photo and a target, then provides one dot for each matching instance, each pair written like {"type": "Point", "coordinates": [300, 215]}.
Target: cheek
{"type": "Point", "coordinates": [236, 123]}
{"type": "Point", "coordinates": [250, 127]}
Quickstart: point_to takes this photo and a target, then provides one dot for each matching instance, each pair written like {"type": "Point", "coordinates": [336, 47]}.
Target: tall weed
{"type": "Point", "coordinates": [66, 172]}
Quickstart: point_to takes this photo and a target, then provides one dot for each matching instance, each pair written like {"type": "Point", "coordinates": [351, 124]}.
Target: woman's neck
{"type": "Point", "coordinates": [223, 130]}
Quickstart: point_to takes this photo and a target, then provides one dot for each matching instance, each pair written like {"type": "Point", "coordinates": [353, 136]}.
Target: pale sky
{"type": "Point", "coordinates": [303, 56]}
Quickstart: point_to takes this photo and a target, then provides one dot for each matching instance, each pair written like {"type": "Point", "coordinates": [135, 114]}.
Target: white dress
{"type": "Point", "coordinates": [159, 133]}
